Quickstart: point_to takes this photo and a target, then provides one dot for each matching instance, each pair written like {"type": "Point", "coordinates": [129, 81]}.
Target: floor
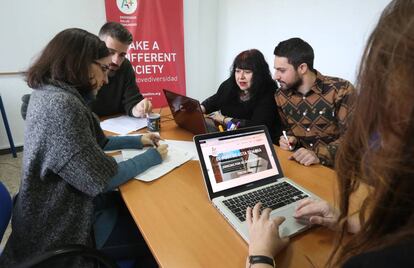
{"type": "Point", "coordinates": [10, 176]}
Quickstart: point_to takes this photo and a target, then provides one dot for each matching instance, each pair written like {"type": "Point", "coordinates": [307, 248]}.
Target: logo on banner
{"type": "Point", "coordinates": [157, 59]}
{"type": "Point", "coordinates": [127, 6]}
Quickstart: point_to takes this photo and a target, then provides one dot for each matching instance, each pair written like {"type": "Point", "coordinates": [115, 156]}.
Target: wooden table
{"type": "Point", "coordinates": [183, 229]}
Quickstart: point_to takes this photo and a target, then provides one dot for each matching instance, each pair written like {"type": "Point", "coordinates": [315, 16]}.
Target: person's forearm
{"type": "Point", "coordinates": [259, 265]}
{"type": "Point", "coordinates": [208, 106]}
{"type": "Point", "coordinates": [123, 142]}
{"type": "Point", "coordinates": [134, 166]}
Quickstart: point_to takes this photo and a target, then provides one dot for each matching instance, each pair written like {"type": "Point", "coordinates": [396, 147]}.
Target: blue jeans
{"type": "Point", "coordinates": [125, 240]}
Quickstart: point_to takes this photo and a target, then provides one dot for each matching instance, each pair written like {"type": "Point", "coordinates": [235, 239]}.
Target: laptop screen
{"type": "Point", "coordinates": [234, 159]}
{"type": "Point", "coordinates": [186, 112]}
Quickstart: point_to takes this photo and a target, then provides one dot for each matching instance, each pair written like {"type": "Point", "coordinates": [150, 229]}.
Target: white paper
{"type": "Point", "coordinates": [118, 158]}
{"type": "Point", "coordinates": [175, 158]}
{"type": "Point", "coordinates": [187, 146]}
{"type": "Point", "coordinates": [123, 124]}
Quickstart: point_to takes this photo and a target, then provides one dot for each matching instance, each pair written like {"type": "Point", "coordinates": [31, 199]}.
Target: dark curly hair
{"type": "Point", "coordinates": [253, 60]}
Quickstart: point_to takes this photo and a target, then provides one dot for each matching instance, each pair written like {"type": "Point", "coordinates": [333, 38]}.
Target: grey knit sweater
{"type": "Point", "coordinates": [64, 168]}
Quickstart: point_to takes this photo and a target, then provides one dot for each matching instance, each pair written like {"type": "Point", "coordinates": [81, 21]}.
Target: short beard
{"type": "Point", "coordinates": [296, 84]}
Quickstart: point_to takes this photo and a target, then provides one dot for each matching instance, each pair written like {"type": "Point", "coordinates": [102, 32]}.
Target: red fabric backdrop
{"type": "Point", "coordinates": [157, 52]}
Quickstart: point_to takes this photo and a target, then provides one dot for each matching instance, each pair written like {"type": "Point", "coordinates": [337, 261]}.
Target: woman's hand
{"type": "Point", "coordinates": [217, 116]}
{"type": "Point", "coordinates": [150, 139]}
{"type": "Point", "coordinates": [142, 108]}
{"type": "Point", "coordinates": [317, 212]}
{"type": "Point", "coordinates": [264, 232]}
{"type": "Point", "coordinates": [163, 150]}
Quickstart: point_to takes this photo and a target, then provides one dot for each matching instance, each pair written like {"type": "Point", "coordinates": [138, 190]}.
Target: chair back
{"type": "Point", "coordinates": [5, 209]}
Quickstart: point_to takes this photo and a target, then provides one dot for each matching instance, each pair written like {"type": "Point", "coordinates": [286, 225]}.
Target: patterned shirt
{"type": "Point", "coordinates": [318, 118]}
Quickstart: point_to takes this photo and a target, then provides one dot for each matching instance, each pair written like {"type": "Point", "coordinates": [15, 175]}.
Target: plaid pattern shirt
{"type": "Point", "coordinates": [317, 119]}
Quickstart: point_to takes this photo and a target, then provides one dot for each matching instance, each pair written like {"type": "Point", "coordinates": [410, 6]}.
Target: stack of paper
{"type": "Point", "coordinates": [175, 158]}
{"type": "Point", "coordinates": [123, 124]}
{"type": "Point", "coordinates": [187, 146]}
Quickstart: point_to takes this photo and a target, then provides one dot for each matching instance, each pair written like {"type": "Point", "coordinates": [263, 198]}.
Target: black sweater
{"type": "Point", "coordinates": [259, 110]}
{"type": "Point", "coordinates": [120, 95]}
{"type": "Point", "coordinates": [400, 255]}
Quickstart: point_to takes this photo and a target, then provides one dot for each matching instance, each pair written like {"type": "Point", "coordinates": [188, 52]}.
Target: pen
{"type": "Point", "coordinates": [155, 139]}
{"type": "Point", "coordinates": [286, 137]}
{"type": "Point", "coordinates": [156, 143]}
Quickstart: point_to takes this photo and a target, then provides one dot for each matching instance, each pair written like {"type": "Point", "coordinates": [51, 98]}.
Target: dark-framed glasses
{"type": "Point", "coordinates": [104, 67]}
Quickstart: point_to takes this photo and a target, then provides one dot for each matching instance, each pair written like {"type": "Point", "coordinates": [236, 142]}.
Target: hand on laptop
{"type": "Point", "coordinates": [317, 212]}
{"type": "Point", "coordinates": [305, 157]}
{"type": "Point", "coordinates": [264, 232]}
{"type": "Point", "coordinates": [142, 108]}
{"type": "Point", "coordinates": [216, 116]}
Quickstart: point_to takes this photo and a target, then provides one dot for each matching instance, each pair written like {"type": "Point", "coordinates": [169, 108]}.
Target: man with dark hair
{"type": "Point", "coordinates": [314, 107]}
{"type": "Point", "coordinates": [121, 94]}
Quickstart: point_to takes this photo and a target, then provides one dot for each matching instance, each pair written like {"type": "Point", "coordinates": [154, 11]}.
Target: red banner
{"type": "Point", "coordinates": [157, 50]}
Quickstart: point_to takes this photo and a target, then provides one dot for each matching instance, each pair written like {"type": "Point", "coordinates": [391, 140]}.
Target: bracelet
{"type": "Point", "coordinates": [261, 259]}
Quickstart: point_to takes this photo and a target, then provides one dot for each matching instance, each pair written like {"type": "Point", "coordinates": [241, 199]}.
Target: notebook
{"type": "Point", "coordinates": [240, 168]}
{"type": "Point", "coordinates": [186, 112]}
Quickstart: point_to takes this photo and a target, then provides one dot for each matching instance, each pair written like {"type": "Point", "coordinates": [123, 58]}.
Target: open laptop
{"type": "Point", "coordinates": [240, 168]}
{"type": "Point", "coordinates": [187, 112]}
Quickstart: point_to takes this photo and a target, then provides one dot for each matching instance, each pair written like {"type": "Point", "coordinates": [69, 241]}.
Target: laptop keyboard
{"type": "Point", "coordinates": [274, 196]}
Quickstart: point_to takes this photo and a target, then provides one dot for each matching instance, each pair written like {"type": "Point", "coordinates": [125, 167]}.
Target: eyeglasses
{"type": "Point", "coordinates": [104, 67]}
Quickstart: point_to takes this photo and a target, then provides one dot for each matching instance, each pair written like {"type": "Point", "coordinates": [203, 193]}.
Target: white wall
{"type": "Point", "coordinates": [200, 41]}
{"type": "Point", "coordinates": [337, 30]}
{"type": "Point", "coordinates": [34, 23]}
{"type": "Point", "coordinates": [25, 28]}
{"type": "Point", "coordinates": [215, 32]}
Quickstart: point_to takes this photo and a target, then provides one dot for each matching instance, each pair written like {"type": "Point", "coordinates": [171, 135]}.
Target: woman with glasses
{"type": "Point", "coordinates": [65, 170]}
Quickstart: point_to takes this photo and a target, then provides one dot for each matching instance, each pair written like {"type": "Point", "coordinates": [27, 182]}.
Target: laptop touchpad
{"type": "Point", "coordinates": [290, 225]}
